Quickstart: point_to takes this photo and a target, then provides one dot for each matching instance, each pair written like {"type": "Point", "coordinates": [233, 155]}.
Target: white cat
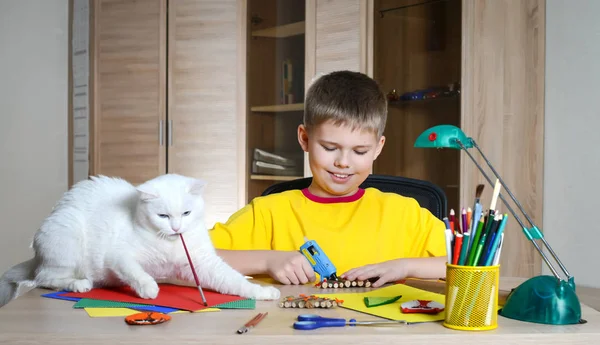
{"type": "Point", "coordinates": [106, 232]}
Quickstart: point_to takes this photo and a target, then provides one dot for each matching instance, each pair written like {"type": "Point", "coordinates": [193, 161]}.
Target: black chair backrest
{"type": "Point", "coordinates": [427, 194]}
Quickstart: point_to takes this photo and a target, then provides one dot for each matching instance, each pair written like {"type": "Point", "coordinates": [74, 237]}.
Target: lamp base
{"type": "Point", "coordinates": [544, 299]}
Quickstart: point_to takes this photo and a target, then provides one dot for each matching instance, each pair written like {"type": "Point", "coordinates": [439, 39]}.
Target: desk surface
{"type": "Point", "coordinates": [34, 319]}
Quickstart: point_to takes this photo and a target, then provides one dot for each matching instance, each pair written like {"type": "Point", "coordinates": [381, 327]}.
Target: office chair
{"type": "Point", "coordinates": [427, 194]}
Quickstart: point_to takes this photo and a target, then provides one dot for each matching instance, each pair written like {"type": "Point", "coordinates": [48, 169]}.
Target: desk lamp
{"type": "Point", "coordinates": [541, 299]}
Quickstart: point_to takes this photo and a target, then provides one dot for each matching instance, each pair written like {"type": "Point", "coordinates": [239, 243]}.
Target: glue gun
{"type": "Point", "coordinates": [318, 260]}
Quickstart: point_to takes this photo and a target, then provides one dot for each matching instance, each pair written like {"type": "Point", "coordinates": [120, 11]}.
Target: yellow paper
{"type": "Point", "coordinates": [116, 312]}
{"type": "Point", "coordinates": [109, 312]}
{"type": "Point", "coordinates": [197, 311]}
{"type": "Point", "coordinates": [392, 311]}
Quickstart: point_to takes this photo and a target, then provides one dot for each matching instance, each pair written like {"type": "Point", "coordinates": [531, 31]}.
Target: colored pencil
{"type": "Point", "coordinates": [475, 241]}
{"type": "Point", "coordinates": [495, 247]}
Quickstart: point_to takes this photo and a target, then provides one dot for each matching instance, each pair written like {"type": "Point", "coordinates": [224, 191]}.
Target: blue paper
{"type": "Point", "coordinates": [57, 295]}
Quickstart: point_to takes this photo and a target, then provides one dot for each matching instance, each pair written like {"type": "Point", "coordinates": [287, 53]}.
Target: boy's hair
{"type": "Point", "coordinates": [347, 98]}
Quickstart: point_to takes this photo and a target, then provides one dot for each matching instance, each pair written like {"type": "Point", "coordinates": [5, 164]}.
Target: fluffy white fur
{"type": "Point", "coordinates": [106, 232]}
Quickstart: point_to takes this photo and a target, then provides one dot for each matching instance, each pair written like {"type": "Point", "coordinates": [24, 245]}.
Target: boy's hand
{"type": "Point", "coordinates": [388, 271]}
{"type": "Point", "coordinates": [290, 267]}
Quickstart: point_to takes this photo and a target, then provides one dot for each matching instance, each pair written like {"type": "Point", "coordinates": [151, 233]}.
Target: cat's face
{"type": "Point", "coordinates": [171, 205]}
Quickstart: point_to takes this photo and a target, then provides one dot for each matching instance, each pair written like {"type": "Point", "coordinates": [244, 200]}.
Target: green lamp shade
{"type": "Point", "coordinates": [544, 299]}
{"type": "Point", "coordinates": [443, 136]}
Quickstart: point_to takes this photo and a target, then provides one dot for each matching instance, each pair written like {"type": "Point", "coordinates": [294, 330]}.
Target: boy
{"type": "Point", "coordinates": [365, 233]}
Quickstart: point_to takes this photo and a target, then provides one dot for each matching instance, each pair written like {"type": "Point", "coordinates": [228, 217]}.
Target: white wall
{"type": "Point", "coordinates": [33, 119]}
{"type": "Point", "coordinates": [572, 157]}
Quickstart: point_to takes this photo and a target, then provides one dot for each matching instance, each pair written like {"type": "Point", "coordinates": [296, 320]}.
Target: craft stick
{"type": "Point", "coordinates": [309, 302]}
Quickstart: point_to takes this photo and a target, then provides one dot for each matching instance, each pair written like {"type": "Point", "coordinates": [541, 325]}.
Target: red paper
{"type": "Point", "coordinates": [173, 296]}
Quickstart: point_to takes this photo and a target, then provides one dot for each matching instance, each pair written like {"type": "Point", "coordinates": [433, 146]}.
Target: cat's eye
{"type": "Point", "coordinates": [163, 215]}
{"type": "Point", "coordinates": [187, 213]}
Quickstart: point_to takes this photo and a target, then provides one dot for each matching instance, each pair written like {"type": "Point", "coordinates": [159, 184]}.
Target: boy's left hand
{"type": "Point", "coordinates": [388, 271]}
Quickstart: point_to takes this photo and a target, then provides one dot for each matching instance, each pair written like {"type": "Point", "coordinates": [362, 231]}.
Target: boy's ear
{"type": "Point", "coordinates": [379, 147]}
{"type": "Point", "coordinates": [303, 137]}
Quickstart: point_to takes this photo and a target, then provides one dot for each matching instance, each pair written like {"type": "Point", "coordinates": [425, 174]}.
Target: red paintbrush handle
{"type": "Point", "coordinates": [190, 260]}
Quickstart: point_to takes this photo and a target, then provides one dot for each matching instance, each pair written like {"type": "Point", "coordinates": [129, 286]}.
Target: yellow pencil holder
{"type": "Point", "coordinates": [472, 297]}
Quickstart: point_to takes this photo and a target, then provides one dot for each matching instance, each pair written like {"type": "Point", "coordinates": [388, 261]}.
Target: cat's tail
{"type": "Point", "coordinates": [12, 279]}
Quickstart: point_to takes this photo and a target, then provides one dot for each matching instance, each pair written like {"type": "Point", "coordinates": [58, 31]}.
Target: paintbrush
{"type": "Point", "coordinates": [193, 271]}
{"type": "Point", "coordinates": [477, 209]}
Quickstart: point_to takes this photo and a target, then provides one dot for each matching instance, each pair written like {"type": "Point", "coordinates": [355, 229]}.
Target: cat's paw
{"type": "Point", "coordinates": [80, 285]}
{"type": "Point", "coordinates": [148, 290]}
{"type": "Point", "coordinates": [266, 293]}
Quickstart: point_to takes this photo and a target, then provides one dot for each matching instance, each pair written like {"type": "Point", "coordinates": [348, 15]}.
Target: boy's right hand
{"type": "Point", "coordinates": [290, 267]}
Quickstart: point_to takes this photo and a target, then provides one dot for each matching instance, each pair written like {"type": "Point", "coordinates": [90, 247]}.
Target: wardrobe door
{"type": "Point", "coordinates": [203, 82]}
{"type": "Point", "coordinates": [129, 70]}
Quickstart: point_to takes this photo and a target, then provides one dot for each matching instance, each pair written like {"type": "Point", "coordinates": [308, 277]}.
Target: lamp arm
{"type": "Point", "coordinates": [541, 237]}
{"type": "Point", "coordinates": [544, 257]}
{"type": "Point", "coordinates": [503, 184]}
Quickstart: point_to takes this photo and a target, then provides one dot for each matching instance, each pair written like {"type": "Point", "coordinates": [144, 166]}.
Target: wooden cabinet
{"type": "Point", "coordinates": [417, 61]}
{"type": "Point", "coordinates": [165, 91]}
{"type": "Point", "coordinates": [492, 52]}
{"type": "Point", "coordinates": [194, 87]}
{"type": "Point", "coordinates": [275, 92]}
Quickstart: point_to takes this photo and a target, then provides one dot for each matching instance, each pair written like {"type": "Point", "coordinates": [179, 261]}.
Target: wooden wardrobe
{"type": "Point", "coordinates": [165, 78]}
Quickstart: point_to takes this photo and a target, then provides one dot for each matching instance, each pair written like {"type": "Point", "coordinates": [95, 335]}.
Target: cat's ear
{"type": "Point", "coordinates": [146, 192]}
{"type": "Point", "coordinates": [197, 187]}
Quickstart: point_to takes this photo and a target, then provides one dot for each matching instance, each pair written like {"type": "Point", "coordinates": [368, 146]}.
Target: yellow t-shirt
{"type": "Point", "coordinates": [367, 227]}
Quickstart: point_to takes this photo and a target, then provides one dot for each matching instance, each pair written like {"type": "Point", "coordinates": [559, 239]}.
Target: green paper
{"type": "Point", "coordinates": [377, 301]}
{"type": "Point", "coordinates": [94, 303]}
{"type": "Point", "coordinates": [241, 304]}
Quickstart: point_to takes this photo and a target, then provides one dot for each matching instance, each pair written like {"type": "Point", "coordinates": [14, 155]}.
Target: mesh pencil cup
{"type": "Point", "coordinates": [472, 297]}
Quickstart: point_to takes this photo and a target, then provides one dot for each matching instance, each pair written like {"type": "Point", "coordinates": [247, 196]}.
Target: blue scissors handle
{"type": "Point", "coordinates": [310, 321]}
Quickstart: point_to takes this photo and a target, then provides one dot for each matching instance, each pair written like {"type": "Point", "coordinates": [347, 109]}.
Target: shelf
{"type": "Point", "coordinates": [274, 177]}
{"type": "Point", "coordinates": [421, 101]}
{"type": "Point", "coordinates": [281, 31]}
{"type": "Point", "coordinates": [279, 107]}
{"type": "Point", "coordinates": [381, 12]}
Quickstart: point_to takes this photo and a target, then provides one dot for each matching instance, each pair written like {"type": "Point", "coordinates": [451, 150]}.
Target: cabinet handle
{"type": "Point", "coordinates": [161, 137]}
{"type": "Point", "coordinates": [170, 133]}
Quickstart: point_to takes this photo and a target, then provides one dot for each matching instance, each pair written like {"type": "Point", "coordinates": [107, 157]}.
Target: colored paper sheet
{"type": "Point", "coordinates": [57, 295]}
{"type": "Point", "coordinates": [173, 296]}
{"type": "Point", "coordinates": [96, 303]}
{"type": "Point", "coordinates": [139, 307]}
{"type": "Point", "coordinates": [122, 312]}
{"type": "Point", "coordinates": [241, 304]}
{"type": "Point", "coordinates": [355, 301]}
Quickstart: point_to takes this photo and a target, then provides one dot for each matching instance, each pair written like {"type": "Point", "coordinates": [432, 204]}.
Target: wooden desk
{"type": "Point", "coordinates": [33, 319]}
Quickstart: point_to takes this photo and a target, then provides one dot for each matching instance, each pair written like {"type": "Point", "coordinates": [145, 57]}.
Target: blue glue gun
{"type": "Point", "coordinates": [318, 260]}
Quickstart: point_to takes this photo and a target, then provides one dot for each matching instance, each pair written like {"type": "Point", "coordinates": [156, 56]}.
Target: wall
{"type": "Point", "coordinates": [572, 117]}
{"type": "Point", "coordinates": [33, 111]}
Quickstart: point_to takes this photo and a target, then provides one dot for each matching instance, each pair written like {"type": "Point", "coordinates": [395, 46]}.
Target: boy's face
{"type": "Point", "coordinates": [340, 158]}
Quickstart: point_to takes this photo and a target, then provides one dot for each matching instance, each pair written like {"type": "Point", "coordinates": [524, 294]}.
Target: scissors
{"type": "Point", "coordinates": [310, 321]}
